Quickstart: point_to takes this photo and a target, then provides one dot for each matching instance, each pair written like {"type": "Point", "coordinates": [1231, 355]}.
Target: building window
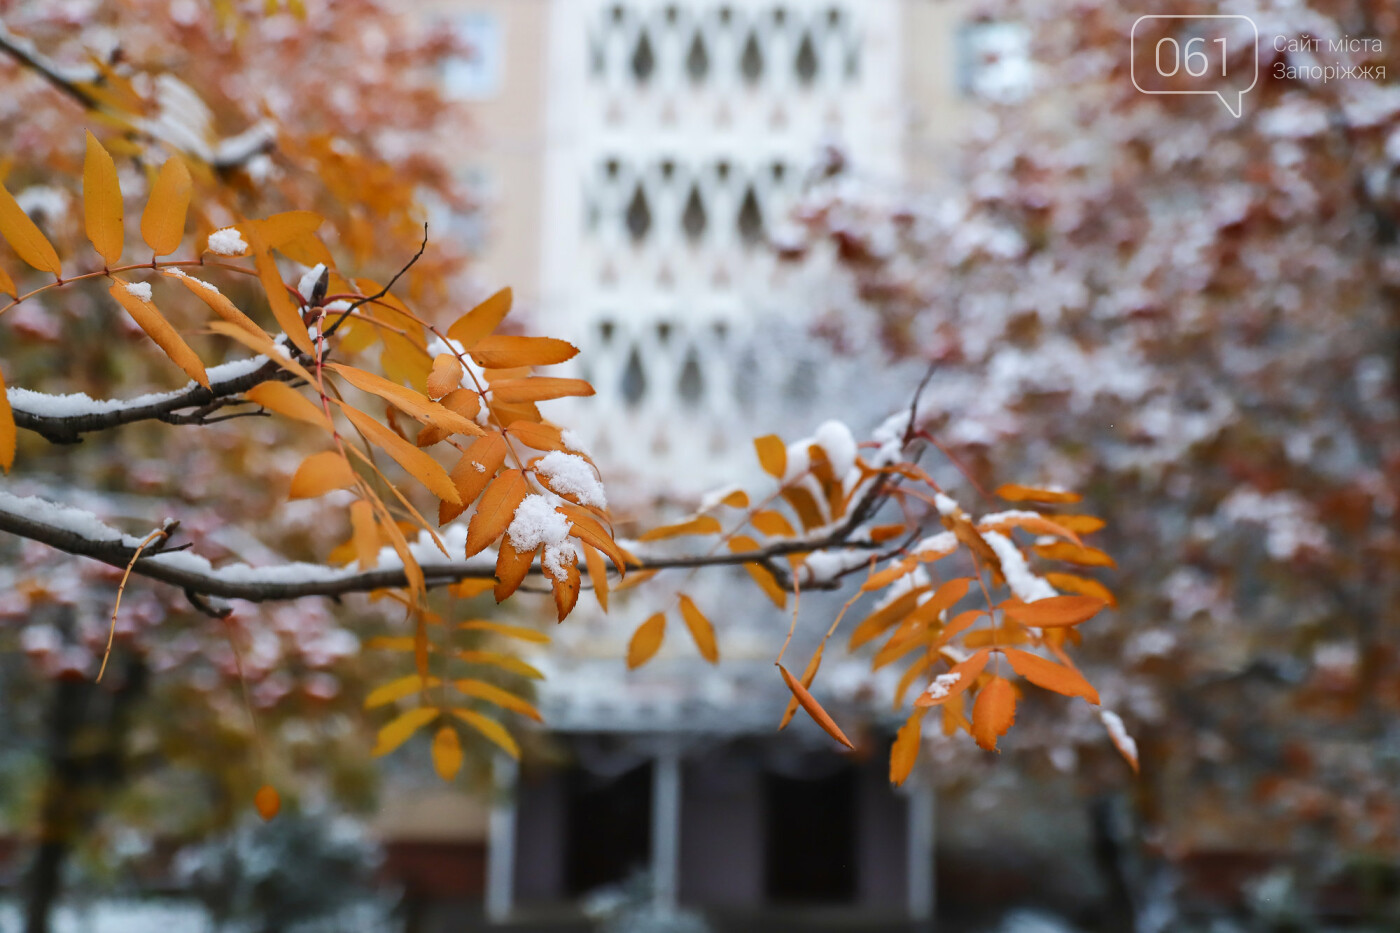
{"type": "Point", "coordinates": [475, 74]}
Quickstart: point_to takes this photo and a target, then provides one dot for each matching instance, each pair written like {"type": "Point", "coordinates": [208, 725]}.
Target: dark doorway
{"type": "Point", "coordinates": [811, 838]}
{"type": "Point", "coordinates": [609, 828]}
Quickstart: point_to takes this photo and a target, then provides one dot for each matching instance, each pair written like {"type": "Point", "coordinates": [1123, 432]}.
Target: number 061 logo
{"type": "Point", "coordinates": [1210, 54]}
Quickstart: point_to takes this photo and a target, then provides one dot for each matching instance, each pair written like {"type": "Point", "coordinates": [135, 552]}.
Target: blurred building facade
{"type": "Point", "coordinates": [638, 161]}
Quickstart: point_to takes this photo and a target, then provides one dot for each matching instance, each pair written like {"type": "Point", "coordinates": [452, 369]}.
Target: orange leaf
{"type": "Point", "coordinates": [25, 238]}
{"type": "Point", "coordinates": [509, 631]}
{"type": "Point", "coordinates": [498, 352]}
{"type": "Point", "coordinates": [285, 228]}
{"type": "Point", "coordinates": [401, 729]}
{"type": "Point", "coordinates": [878, 621]}
{"type": "Point", "coordinates": [1082, 585]}
{"type": "Point", "coordinates": [566, 590]}
{"type": "Point", "coordinates": [1046, 673]}
{"type": "Point", "coordinates": [102, 203]}
{"type": "Point", "coordinates": [740, 544]}
{"type": "Point", "coordinates": [813, 708]}
{"type": "Point", "coordinates": [466, 589]}
{"type": "Point", "coordinates": [288, 402]}
{"type": "Point", "coordinates": [591, 531]}
{"type": "Point", "coordinates": [701, 630]}
{"type": "Point", "coordinates": [1054, 610]}
{"type": "Point", "coordinates": [215, 299]}
{"type": "Point", "coordinates": [906, 747]}
{"type": "Point", "coordinates": [538, 436]}
{"type": "Point", "coordinates": [491, 729]}
{"type": "Point", "coordinates": [284, 310]}
{"type": "Point", "coordinates": [1037, 524]}
{"type": "Point", "coordinates": [421, 466]}
{"type": "Point", "coordinates": [364, 534]}
{"type": "Point", "coordinates": [319, 474]}
{"type": "Point", "coordinates": [446, 375]}
{"type": "Point", "coordinates": [994, 712]}
{"type": "Point", "coordinates": [464, 402]}
{"type": "Point", "coordinates": [481, 690]}
{"type": "Point", "coordinates": [7, 285]}
{"type": "Point", "coordinates": [407, 400]}
{"type": "Point", "coordinates": [163, 222]}
{"type": "Point", "coordinates": [447, 753]}
{"type": "Point", "coordinates": [1074, 554]}
{"type": "Point", "coordinates": [772, 454]}
{"type": "Point", "coordinates": [699, 525]}
{"type": "Point", "coordinates": [906, 680]}
{"type": "Point", "coordinates": [473, 472]}
{"type": "Point", "coordinates": [159, 330]}
{"type": "Point", "coordinates": [538, 389]}
{"type": "Point", "coordinates": [772, 524]}
{"type": "Point", "coordinates": [646, 641]}
{"type": "Point", "coordinates": [1080, 524]}
{"type": "Point", "coordinates": [597, 573]}
{"type": "Point", "coordinates": [805, 505]}
{"type": "Point", "coordinates": [8, 436]}
{"type": "Point", "coordinates": [512, 566]}
{"type": "Point", "coordinates": [882, 579]}
{"type": "Point", "coordinates": [260, 342]}
{"type": "Point", "coordinates": [809, 674]}
{"type": "Point", "coordinates": [480, 321]}
{"type": "Point", "coordinates": [959, 677]}
{"type": "Point", "coordinates": [738, 499]}
{"type": "Point", "coordinates": [882, 533]}
{"type": "Point", "coordinates": [1014, 492]}
{"type": "Point", "coordinates": [268, 802]}
{"type": "Point", "coordinates": [496, 509]}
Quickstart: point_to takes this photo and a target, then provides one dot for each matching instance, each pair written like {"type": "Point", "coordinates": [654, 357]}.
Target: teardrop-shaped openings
{"type": "Point", "coordinates": [806, 60]}
{"type": "Point", "coordinates": [697, 59]}
{"type": "Point", "coordinates": [693, 219]}
{"type": "Point", "coordinates": [643, 58]}
{"type": "Point", "coordinates": [691, 386]}
{"type": "Point", "coordinates": [634, 380]}
{"type": "Point", "coordinates": [638, 214]}
{"type": "Point", "coordinates": [751, 59]}
{"type": "Point", "coordinates": [606, 329]}
{"type": "Point", "coordinates": [750, 217]}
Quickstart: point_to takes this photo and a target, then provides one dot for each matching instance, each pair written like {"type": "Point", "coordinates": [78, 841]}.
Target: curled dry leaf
{"type": "Point", "coordinates": [813, 708]}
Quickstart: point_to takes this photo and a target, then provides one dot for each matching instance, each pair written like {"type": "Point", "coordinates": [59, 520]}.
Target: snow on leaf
{"type": "Point", "coordinates": [572, 477]}
{"type": "Point", "coordinates": [496, 510]}
{"type": "Point", "coordinates": [1118, 734]}
{"type": "Point", "coordinates": [216, 300]}
{"type": "Point", "coordinates": [536, 523]}
{"type": "Point", "coordinates": [966, 672]}
{"type": "Point", "coordinates": [227, 242]}
{"type": "Point", "coordinates": [159, 330]}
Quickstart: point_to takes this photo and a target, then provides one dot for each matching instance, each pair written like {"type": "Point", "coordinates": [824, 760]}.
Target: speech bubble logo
{"type": "Point", "coordinates": [1180, 54]}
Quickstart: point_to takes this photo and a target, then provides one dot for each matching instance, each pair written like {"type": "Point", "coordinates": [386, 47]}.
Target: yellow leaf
{"type": "Point", "coordinates": [1036, 524]}
{"type": "Point", "coordinates": [159, 330]}
{"type": "Point", "coordinates": [700, 629]}
{"type": "Point", "coordinates": [281, 229]}
{"type": "Point", "coordinates": [511, 568]}
{"type": "Point", "coordinates": [501, 352]}
{"type": "Point", "coordinates": [1054, 610]}
{"type": "Point", "coordinates": [466, 589]}
{"type": "Point", "coordinates": [805, 506]}
{"type": "Point", "coordinates": [882, 533]}
{"type": "Point", "coordinates": [163, 222]}
{"type": "Point", "coordinates": [646, 641]}
{"type": "Point", "coordinates": [398, 689]}
{"type": "Point", "coordinates": [7, 285]}
{"type": "Point", "coordinates": [496, 509]}
{"type": "Point", "coordinates": [994, 712]}
{"type": "Point", "coordinates": [1014, 492]}
{"type": "Point", "coordinates": [538, 436]}
{"type": "Point", "coordinates": [873, 625]}
{"type": "Point", "coordinates": [700, 525]}
{"type": "Point", "coordinates": [480, 321]}
{"type": "Point", "coordinates": [1046, 673]}
{"type": "Point", "coordinates": [566, 590]}
{"type": "Point", "coordinates": [591, 531]}
{"type": "Point", "coordinates": [102, 203]}
{"type": "Point", "coordinates": [7, 429]}
{"type": "Point", "coordinates": [597, 573]}
{"type": "Point", "coordinates": [261, 343]}
{"type": "Point", "coordinates": [772, 454]}
{"type": "Point", "coordinates": [1081, 585]}
{"type": "Point", "coordinates": [473, 472]}
{"type": "Point", "coordinates": [808, 675]}
{"type": "Point", "coordinates": [491, 729]}
{"type": "Point", "coordinates": [538, 389]}
{"type": "Point", "coordinates": [738, 499]}
{"type": "Point", "coordinates": [1074, 554]}
{"type": "Point", "coordinates": [364, 534]}
{"type": "Point", "coordinates": [1080, 524]}
{"type": "Point", "coordinates": [481, 690]}
{"type": "Point", "coordinates": [961, 676]}
{"type": "Point", "coordinates": [319, 474]}
{"type": "Point", "coordinates": [814, 709]}
{"type": "Point", "coordinates": [761, 575]}
{"type": "Point", "coordinates": [401, 729]}
{"type": "Point", "coordinates": [772, 524]}
{"type": "Point", "coordinates": [912, 673]}
{"type": "Point", "coordinates": [421, 466]}
{"type": "Point", "coordinates": [505, 662]}
{"type": "Point", "coordinates": [509, 631]}
{"type": "Point", "coordinates": [447, 753]}
{"type": "Point", "coordinates": [215, 299]}
{"type": "Point", "coordinates": [882, 579]}
{"type": "Point", "coordinates": [288, 402]}
{"type": "Point", "coordinates": [268, 802]}
{"type": "Point", "coordinates": [446, 376]}
{"type": "Point", "coordinates": [284, 310]}
{"type": "Point", "coordinates": [24, 237]}
{"type": "Point", "coordinates": [409, 401]}
{"type": "Point", "coordinates": [906, 747]}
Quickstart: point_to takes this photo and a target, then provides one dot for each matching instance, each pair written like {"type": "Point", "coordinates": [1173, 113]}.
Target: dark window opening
{"type": "Point", "coordinates": [806, 60]}
{"type": "Point", "coordinates": [609, 828]}
{"type": "Point", "coordinates": [697, 60]}
{"type": "Point", "coordinates": [750, 218]}
{"type": "Point", "coordinates": [643, 59]}
{"type": "Point", "coordinates": [691, 387]}
{"type": "Point", "coordinates": [811, 860]}
{"type": "Point", "coordinates": [751, 60]}
{"type": "Point", "coordinates": [634, 380]}
{"type": "Point", "coordinates": [638, 214]}
{"type": "Point", "coordinates": [693, 218]}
